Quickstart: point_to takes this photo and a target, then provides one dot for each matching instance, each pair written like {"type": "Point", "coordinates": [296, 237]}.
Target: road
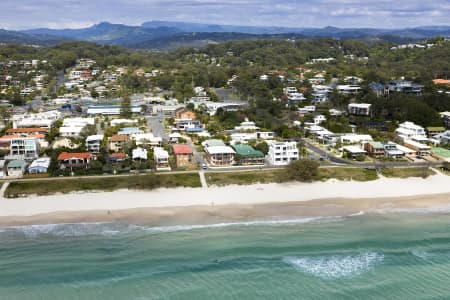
{"type": "Point", "coordinates": [156, 124]}
{"type": "Point", "coordinates": [324, 154]}
{"type": "Point", "coordinates": [198, 157]}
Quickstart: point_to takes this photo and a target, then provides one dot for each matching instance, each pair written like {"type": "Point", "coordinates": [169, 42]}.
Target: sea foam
{"type": "Point", "coordinates": [336, 266]}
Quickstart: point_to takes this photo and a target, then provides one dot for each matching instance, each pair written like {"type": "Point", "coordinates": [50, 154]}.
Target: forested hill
{"type": "Point", "coordinates": [170, 35]}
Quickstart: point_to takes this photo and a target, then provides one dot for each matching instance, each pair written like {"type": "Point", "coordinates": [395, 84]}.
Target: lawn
{"type": "Point", "coordinates": [407, 172]}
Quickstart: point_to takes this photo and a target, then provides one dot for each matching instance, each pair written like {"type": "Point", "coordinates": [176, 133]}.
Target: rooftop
{"type": "Point", "coordinates": [247, 151]}
{"type": "Point", "coordinates": [79, 155]}
{"type": "Point", "coordinates": [182, 149]}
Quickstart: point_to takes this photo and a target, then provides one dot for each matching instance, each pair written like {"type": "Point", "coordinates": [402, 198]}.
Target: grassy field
{"type": "Point", "coordinates": [141, 182]}
{"type": "Point", "coordinates": [407, 172]}
{"type": "Point", "coordinates": [243, 178]}
{"type": "Point", "coordinates": [356, 174]}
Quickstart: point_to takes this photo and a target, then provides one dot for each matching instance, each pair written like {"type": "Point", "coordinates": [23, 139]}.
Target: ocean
{"type": "Point", "coordinates": [385, 255]}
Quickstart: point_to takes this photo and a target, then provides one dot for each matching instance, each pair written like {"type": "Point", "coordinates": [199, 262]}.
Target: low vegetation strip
{"type": "Point", "coordinates": [280, 175]}
{"type": "Point", "coordinates": [407, 172]}
{"type": "Point", "coordinates": [141, 182]}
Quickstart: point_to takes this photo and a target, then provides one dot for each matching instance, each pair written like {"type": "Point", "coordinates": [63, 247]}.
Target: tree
{"type": "Point", "coordinates": [125, 107]}
{"type": "Point", "coordinates": [302, 170]}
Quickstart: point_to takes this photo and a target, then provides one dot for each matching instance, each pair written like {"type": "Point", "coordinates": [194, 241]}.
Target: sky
{"type": "Point", "coordinates": [26, 14]}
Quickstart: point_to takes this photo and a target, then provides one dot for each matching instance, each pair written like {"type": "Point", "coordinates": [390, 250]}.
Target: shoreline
{"type": "Point", "coordinates": [230, 203]}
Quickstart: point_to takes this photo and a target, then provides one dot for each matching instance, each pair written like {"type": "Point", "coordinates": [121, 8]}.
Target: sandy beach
{"type": "Point", "coordinates": [195, 205]}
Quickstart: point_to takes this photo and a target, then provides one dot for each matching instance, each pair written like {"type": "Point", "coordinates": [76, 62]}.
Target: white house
{"type": "Point", "coordinates": [16, 168]}
{"type": "Point", "coordinates": [359, 109]}
{"type": "Point", "coordinates": [24, 148]}
{"type": "Point", "coordinates": [39, 165]}
{"type": "Point", "coordinates": [43, 119]}
{"type": "Point", "coordinates": [409, 130]}
{"type": "Point", "coordinates": [146, 139]}
{"type": "Point", "coordinates": [139, 153]}
{"type": "Point", "coordinates": [161, 157]}
{"type": "Point", "coordinates": [94, 143]}
{"type": "Point", "coordinates": [72, 127]}
{"type": "Point", "coordinates": [282, 153]}
{"type": "Point", "coordinates": [246, 126]}
{"type": "Point", "coordinates": [356, 138]}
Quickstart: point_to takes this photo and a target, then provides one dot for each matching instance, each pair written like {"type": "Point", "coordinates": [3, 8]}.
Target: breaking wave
{"type": "Point", "coordinates": [336, 266]}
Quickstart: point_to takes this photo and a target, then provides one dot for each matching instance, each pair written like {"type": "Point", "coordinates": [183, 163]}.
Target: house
{"type": "Point", "coordinates": [409, 130]}
{"type": "Point", "coordinates": [43, 119]}
{"type": "Point", "coordinates": [220, 155]}
{"type": "Point", "coordinates": [421, 149]}
{"type": "Point", "coordinates": [174, 137]}
{"type": "Point", "coordinates": [348, 89]}
{"type": "Point", "coordinates": [39, 165]}
{"type": "Point", "coordinates": [374, 149]}
{"type": "Point", "coordinates": [355, 138]}
{"type": "Point", "coordinates": [130, 131]}
{"type": "Point", "coordinates": [184, 113]}
{"type": "Point", "coordinates": [379, 89]}
{"type": "Point", "coordinates": [443, 138]}
{"type": "Point", "coordinates": [74, 160]}
{"type": "Point", "coordinates": [24, 148]}
{"type": "Point", "coordinates": [282, 153]}
{"type": "Point", "coordinates": [432, 131]}
{"type": "Point", "coordinates": [72, 127]}
{"type": "Point", "coordinates": [359, 109]}
{"type": "Point", "coordinates": [117, 157]}
{"type": "Point", "coordinates": [118, 143]}
{"type": "Point", "coordinates": [110, 110]}
{"type": "Point", "coordinates": [353, 152]}
{"type": "Point", "coordinates": [26, 132]}
{"type": "Point", "coordinates": [405, 86]}
{"type": "Point", "coordinates": [446, 118]}
{"type": "Point", "coordinates": [392, 151]}
{"type": "Point", "coordinates": [183, 155]}
{"type": "Point", "coordinates": [146, 139]}
{"type": "Point", "coordinates": [246, 155]}
{"type": "Point", "coordinates": [94, 143]}
{"type": "Point", "coordinates": [246, 126]}
{"type": "Point", "coordinates": [139, 154]}
{"type": "Point", "coordinates": [161, 158]}
{"type": "Point", "coordinates": [16, 168]}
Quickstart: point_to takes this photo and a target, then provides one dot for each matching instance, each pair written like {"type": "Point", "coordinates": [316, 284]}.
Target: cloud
{"type": "Point", "coordinates": [293, 13]}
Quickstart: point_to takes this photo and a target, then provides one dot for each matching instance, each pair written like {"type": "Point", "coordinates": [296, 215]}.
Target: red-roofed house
{"type": "Point", "coordinates": [183, 155]}
{"type": "Point", "coordinates": [139, 72]}
{"type": "Point", "coordinates": [25, 132]}
{"type": "Point", "coordinates": [76, 160]}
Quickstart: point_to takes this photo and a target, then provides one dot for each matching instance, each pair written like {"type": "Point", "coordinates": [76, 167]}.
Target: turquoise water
{"type": "Point", "coordinates": [379, 256]}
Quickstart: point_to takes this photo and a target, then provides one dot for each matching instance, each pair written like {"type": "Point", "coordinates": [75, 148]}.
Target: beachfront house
{"type": "Point", "coordinates": [117, 157]}
{"type": "Point", "coordinates": [24, 148]}
{"type": "Point", "coordinates": [218, 154]}
{"type": "Point", "coordinates": [161, 158]}
{"type": "Point", "coordinates": [421, 149]}
{"type": "Point", "coordinates": [140, 154]}
{"type": "Point", "coordinates": [39, 166]}
{"type": "Point", "coordinates": [183, 155]}
{"type": "Point", "coordinates": [353, 152]}
{"type": "Point", "coordinates": [282, 153]}
{"type": "Point", "coordinates": [16, 168]}
{"type": "Point", "coordinates": [392, 151]}
{"type": "Point", "coordinates": [375, 149]}
{"type": "Point", "coordinates": [74, 160]}
{"type": "Point", "coordinates": [246, 155]}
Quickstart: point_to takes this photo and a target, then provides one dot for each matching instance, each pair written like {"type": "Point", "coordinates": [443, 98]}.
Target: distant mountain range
{"type": "Point", "coordinates": [166, 34]}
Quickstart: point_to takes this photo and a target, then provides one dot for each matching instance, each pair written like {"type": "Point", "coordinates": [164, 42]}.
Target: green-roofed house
{"type": "Point", "coordinates": [374, 149]}
{"type": "Point", "coordinates": [16, 168]}
{"type": "Point", "coordinates": [246, 155]}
